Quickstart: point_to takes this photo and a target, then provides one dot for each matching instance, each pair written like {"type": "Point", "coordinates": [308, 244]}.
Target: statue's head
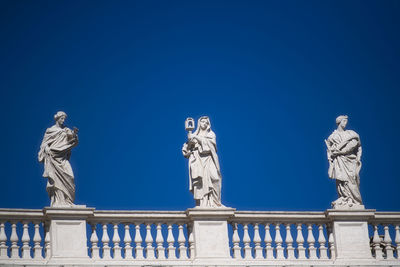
{"type": "Point", "coordinates": [60, 117]}
{"type": "Point", "coordinates": [342, 121]}
{"type": "Point", "coordinates": [204, 123]}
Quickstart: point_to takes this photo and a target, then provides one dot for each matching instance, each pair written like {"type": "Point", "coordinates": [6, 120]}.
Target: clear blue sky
{"type": "Point", "coordinates": [272, 76]}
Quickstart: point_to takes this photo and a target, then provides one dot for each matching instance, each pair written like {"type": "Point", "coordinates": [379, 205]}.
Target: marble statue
{"type": "Point", "coordinates": [204, 170]}
{"type": "Point", "coordinates": [344, 155]}
{"type": "Point", "coordinates": [55, 152]}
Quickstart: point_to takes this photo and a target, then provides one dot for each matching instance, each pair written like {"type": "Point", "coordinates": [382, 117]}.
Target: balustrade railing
{"type": "Point", "coordinates": [385, 235]}
{"type": "Point", "coordinates": [158, 237]}
{"type": "Point", "coordinates": [281, 236]}
{"type": "Point", "coordinates": [22, 235]}
{"type": "Point", "coordinates": [140, 235]}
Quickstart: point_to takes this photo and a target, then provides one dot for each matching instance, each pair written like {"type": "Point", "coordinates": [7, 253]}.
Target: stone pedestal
{"type": "Point", "coordinates": [210, 232]}
{"type": "Point", "coordinates": [350, 232]}
{"type": "Point", "coordinates": [67, 229]}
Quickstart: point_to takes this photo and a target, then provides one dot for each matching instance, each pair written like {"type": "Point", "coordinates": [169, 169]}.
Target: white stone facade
{"type": "Point", "coordinates": [81, 236]}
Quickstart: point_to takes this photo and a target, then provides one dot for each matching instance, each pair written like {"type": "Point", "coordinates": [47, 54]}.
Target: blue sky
{"type": "Point", "coordinates": [271, 75]}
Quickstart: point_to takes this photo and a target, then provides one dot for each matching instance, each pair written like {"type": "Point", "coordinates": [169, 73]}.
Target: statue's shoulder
{"type": "Point", "coordinates": [332, 135]}
{"type": "Point", "coordinates": [353, 134]}
{"type": "Point", "coordinates": [211, 134]}
{"type": "Point", "coordinates": [53, 129]}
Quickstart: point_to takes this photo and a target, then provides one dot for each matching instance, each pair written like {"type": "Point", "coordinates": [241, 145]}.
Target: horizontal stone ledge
{"type": "Point", "coordinates": [138, 216]}
{"type": "Point", "coordinates": [21, 214]}
{"type": "Point", "coordinates": [350, 215]}
{"type": "Point", "coordinates": [112, 216]}
{"type": "Point", "coordinates": [77, 212]}
{"type": "Point", "coordinates": [382, 217]}
{"type": "Point", "coordinates": [279, 216]}
{"type": "Point", "coordinates": [210, 214]}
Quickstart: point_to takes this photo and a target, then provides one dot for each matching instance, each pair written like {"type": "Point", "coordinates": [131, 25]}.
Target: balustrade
{"type": "Point", "coordinates": [123, 237]}
{"type": "Point", "coordinates": [284, 237]}
{"type": "Point", "coordinates": [385, 236]}
{"type": "Point", "coordinates": [21, 235]}
{"type": "Point", "coordinates": [156, 236]}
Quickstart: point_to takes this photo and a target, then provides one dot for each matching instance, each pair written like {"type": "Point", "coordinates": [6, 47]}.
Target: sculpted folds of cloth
{"type": "Point", "coordinates": [344, 155]}
{"type": "Point", "coordinates": [204, 170]}
{"type": "Point", "coordinates": [55, 152]}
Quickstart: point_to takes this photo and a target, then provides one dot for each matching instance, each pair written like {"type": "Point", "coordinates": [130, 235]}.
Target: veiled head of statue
{"type": "Point", "coordinates": [341, 118]}
{"type": "Point", "coordinates": [60, 114]}
{"type": "Point", "coordinates": [203, 124]}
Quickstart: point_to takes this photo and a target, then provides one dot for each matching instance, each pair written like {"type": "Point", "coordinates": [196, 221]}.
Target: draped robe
{"type": "Point", "coordinates": [345, 168]}
{"type": "Point", "coordinates": [204, 170]}
{"type": "Point", "coordinates": [57, 169]}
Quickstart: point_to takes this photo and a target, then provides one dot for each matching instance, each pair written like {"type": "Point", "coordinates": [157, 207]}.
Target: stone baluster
{"type": "Point", "coordinates": [397, 240]}
{"type": "Point", "coordinates": [171, 241]}
{"type": "Point", "coordinates": [376, 240]}
{"type": "Point", "coordinates": [312, 250]}
{"type": "Point", "coordinates": [235, 241]}
{"type": "Point", "coordinates": [94, 240]}
{"type": "Point", "coordinates": [106, 240]}
{"type": "Point", "coordinates": [301, 250]}
{"type": "Point", "coordinates": [149, 243]}
{"type": "Point", "coordinates": [127, 242]}
{"type": "Point", "coordinates": [116, 240]}
{"type": "Point", "coordinates": [26, 249]}
{"type": "Point", "coordinates": [323, 250]}
{"type": "Point", "coordinates": [37, 248]}
{"type": "Point", "coordinates": [316, 241]}
{"type": "Point", "coordinates": [388, 243]}
{"type": "Point", "coordinates": [191, 242]}
{"type": "Point", "coordinates": [278, 242]}
{"type": "Point", "coordinates": [269, 251]}
{"type": "Point", "coordinates": [14, 241]}
{"type": "Point", "coordinates": [331, 243]}
{"type": "Point", "coordinates": [138, 243]}
{"type": "Point", "coordinates": [246, 241]}
{"type": "Point", "coordinates": [182, 241]}
{"type": "Point", "coordinates": [258, 250]}
{"type": "Point", "coordinates": [47, 249]}
{"type": "Point", "coordinates": [289, 243]}
{"type": "Point", "coordinates": [3, 240]}
{"type": "Point", "coordinates": [160, 241]}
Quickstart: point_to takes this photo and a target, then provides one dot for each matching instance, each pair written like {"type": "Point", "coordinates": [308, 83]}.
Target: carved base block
{"type": "Point", "coordinates": [68, 238]}
{"type": "Point", "coordinates": [351, 240]}
{"type": "Point", "coordinates": [68, 232]}
{"type": "Point", "coordinates": [350, 232]}
{"type": "Point", "coordinates": [210, 232]}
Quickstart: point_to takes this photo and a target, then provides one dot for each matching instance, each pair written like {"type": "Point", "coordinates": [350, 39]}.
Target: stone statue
{"type": "Point", "coordinates": [204, 170]}
{"type": "Point", "coordinates": [55, 152]}
{"type": "Point", "coordinates": [344, 155]}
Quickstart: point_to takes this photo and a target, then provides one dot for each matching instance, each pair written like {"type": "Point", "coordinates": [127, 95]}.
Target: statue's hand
{"type": "Point", "coordinates": [76, 130]}
{"type": "Point", "coordinates": [186, 150]}
{"type": "Point", "coordinates": [195, 138]}
{"type": "Point", "coordinates": [47, 150]}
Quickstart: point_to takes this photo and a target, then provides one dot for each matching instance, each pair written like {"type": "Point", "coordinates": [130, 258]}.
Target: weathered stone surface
{"type": "Point", "coordinates": [55, 152]}
{"type": "Point", "coordinates": [344, 155]}
{"type": "Point", "coordinates": [204, 170]}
